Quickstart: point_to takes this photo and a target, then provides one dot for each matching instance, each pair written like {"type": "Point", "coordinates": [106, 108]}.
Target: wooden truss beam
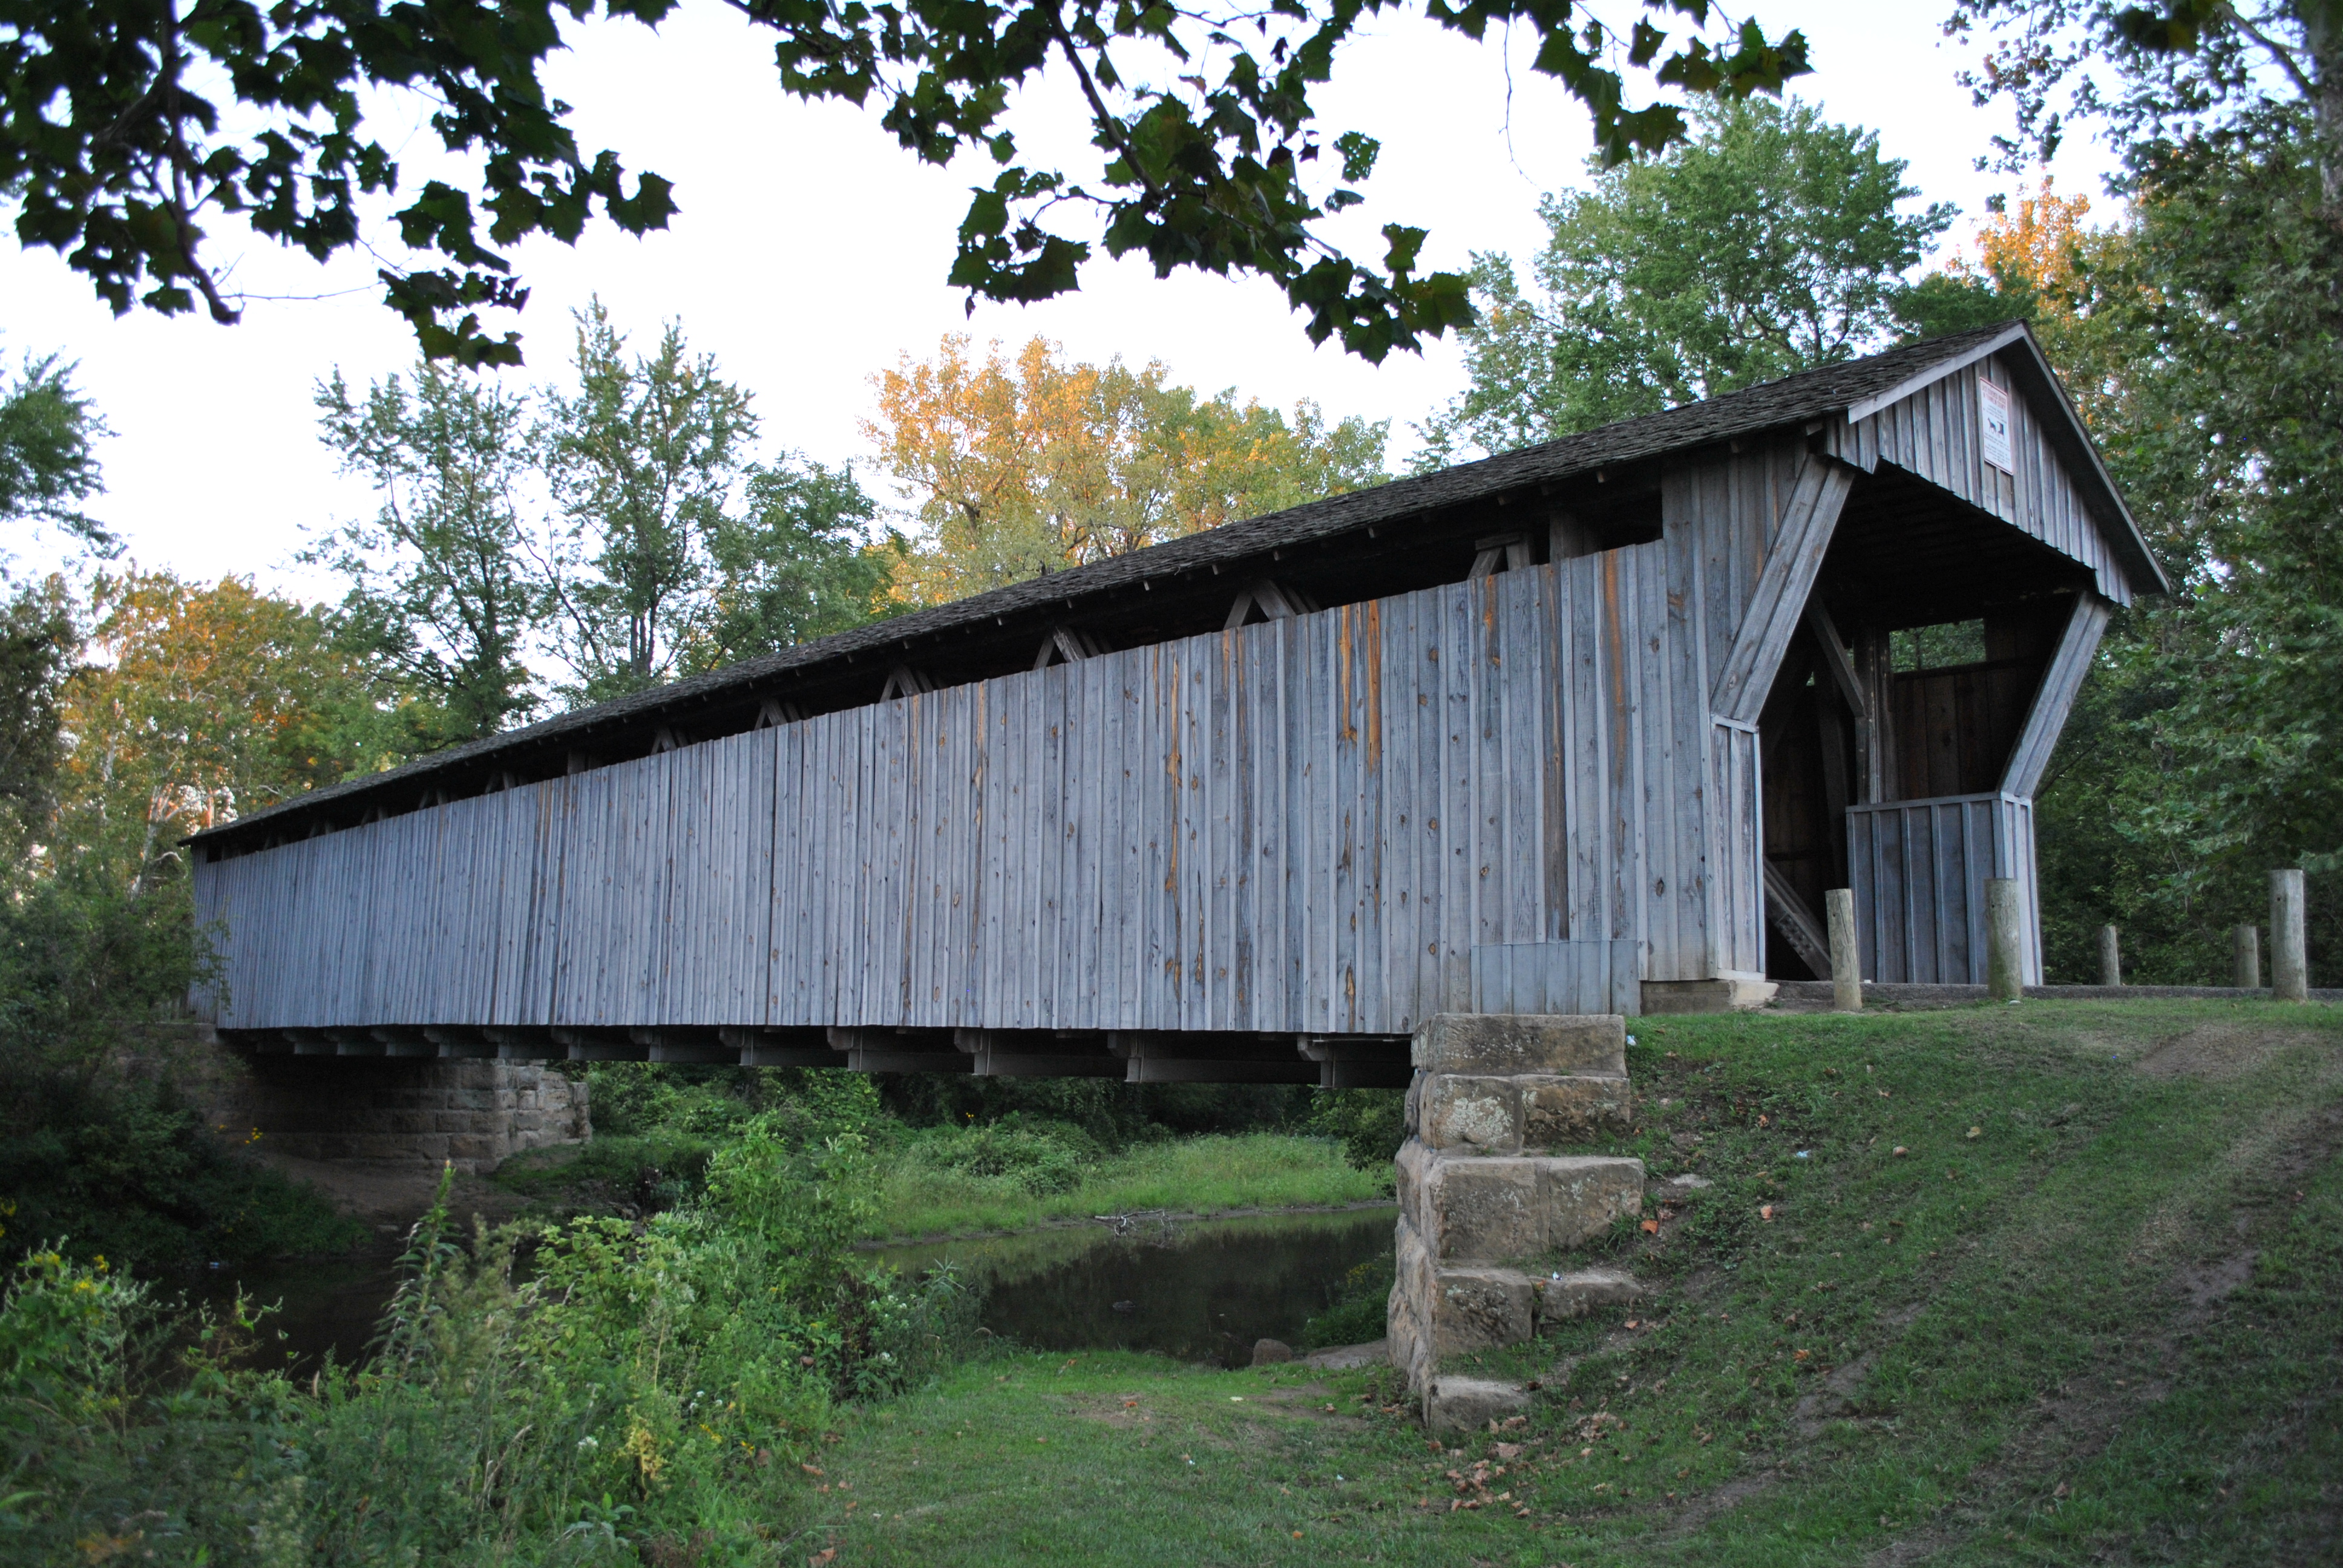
{"type": "Point", "coordinates": [1784, 585]}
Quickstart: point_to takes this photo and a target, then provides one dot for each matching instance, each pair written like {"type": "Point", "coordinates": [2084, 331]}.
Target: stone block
{"type": "Point", "coordinates": [1270, 1353]}
{"type": "Point", "coordinates": [1580, 1196]}
{"type": "Point", "coordinates": [1508, 1044]}
{"type": "Point", "coordinates": [1495, 1208]}
{"type": "Point", "coordinates": [1574, 1295]}
{"type": "Point", "coordinates": [1707, 995]}
{"type": "Point", "coordinates": [1453, 1405]}
{"type": "Point", "coordinates": [1557, 1112]}
{"type": "Point", "coordinates": [476, 1147]}
{"type": "Point", "coordinates": [1481, 1308]}
{"type": "Point", "coordinates": [1403, 1334]}
{"type": "Point", "coordinates": [1472, 1115]}
{"type": "Point", "coordinates": [1403, 1315]}
{"type": "Point", "coordinates": [1480, 1210]}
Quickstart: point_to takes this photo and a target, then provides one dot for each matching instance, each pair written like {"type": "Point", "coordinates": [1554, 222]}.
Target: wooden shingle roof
{"type": "Point", "coordinates": [1851, 390]}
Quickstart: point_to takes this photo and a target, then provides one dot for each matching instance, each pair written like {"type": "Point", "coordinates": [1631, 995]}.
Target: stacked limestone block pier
{"type": "Point", "coordinates": [1489, 1199]}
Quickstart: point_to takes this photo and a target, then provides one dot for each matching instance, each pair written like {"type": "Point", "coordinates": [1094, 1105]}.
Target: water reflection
{"type": "Point", "coordinates": [323, 1305]}
{"type": "Point", "coordinates": [1201, 1292]}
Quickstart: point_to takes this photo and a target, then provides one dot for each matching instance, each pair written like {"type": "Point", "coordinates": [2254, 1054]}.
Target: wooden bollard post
{"type": "Point", "coordinates": [2004, 951]}
{"type": "Point", "coordinates": [2289, 954]}
{"type": "Point", "coordinates": [2246, 957]}
{"type": "Point", "coordinates": [1846, 952]}
{"type": "Point", "coordinates": [2110, 956]}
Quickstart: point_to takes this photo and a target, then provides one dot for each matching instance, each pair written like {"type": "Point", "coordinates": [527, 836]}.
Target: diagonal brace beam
{"type": "Point", "coordinates": [1783, 586]}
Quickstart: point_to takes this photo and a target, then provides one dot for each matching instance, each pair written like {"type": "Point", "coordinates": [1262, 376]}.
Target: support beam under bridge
{"type": "Point", "coordinates": [1134, 1056]}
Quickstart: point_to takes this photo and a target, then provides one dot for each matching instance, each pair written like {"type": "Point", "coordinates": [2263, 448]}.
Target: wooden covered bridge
{"type": "Point", "coordinates": [1585, 727]}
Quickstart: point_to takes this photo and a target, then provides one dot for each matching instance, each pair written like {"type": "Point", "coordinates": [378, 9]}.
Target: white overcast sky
{"type": "Point", "coordinates": [810, 251]}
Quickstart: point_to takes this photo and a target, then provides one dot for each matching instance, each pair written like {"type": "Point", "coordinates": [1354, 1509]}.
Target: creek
{"type": "Point", "coordinates": [1198, 1290]}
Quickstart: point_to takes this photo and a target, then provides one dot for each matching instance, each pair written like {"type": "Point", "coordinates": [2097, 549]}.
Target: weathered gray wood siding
{"type": "Point", "coordinates": [1919, 868]}
{"type": "Point", "coordinates": [1937, 434]}
{"type": "Point", "coordinates": [1304, 825]}
{"type": "Point", "coordinates": [1753, 528]}
{"type": "Point", "coordinates": [1738, 789]}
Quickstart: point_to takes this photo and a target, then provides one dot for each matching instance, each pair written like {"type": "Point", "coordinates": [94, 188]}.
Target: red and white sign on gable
{"type": "Point", "coordinates": [1993, 409]}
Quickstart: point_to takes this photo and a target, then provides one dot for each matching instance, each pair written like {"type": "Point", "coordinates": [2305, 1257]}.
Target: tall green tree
{"type": "Point", "coordinates": [49, 460]}
{"type": "Point", "coordinates": [792, 565]}
{"type": "Point", "coordinates": [644, 456]}
{"type": "Point", "coordinates": [674, 551]}
{"type": "Point", "coordinates": [1771, 241]}
{"type": "Point", "coordinates": [2200, 336]}
{"type": "Point", "coordinates": [447, 584]}
{"type": "Point", "coordinates": [2154, 72]}
{"type": "Point", "coordinates": [39, 647]}
{"type": "Point", "coordinates": [48, 466]}
{"type": "Point", "coordinates": [129, 127]}
{"type": "Point", "coordinates": [2213, 335]}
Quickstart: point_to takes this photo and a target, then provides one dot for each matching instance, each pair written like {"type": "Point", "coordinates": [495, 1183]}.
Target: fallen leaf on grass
{"type": "Point", "coordinates": [1767, 1213]}
{"type": "Point", "coordinates": [1901, 1152]}
{"type": "Point", "coordinates": [821, 1557]}
{"type": "Point", "coordinates": [810, 1469]}
{"type": "Point", "coordinates": [1977, 1132]}
{"type": "Point", "coordinates": [1651, 1227]}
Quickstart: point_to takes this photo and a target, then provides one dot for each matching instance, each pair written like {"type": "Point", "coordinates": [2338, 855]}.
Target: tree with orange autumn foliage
{"type": "Point", "coordinates": [194, 705]}
{"type": "Point", "coordinates": [2038, 241]}
{"type": "Point", "coordinates": [1014, 468]}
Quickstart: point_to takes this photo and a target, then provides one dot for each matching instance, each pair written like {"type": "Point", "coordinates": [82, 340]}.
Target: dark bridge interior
{"type": "Point", "coordinates": [1947, 618]}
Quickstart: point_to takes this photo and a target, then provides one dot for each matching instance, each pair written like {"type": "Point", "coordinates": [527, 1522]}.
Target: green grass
{"type": "Point", "coordinates": [2106, 1327]}
{"type": "Point", "coordinates": [1206, 1175]}
{"type": "Point", "coordinates": [922, 1195]}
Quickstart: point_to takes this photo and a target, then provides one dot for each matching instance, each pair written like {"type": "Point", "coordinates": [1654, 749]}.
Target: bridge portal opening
{"type": "Point", "coordinates": [1890, 732]}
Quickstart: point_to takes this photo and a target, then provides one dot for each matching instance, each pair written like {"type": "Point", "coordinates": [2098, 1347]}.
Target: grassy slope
{"type": "Point", "coordinates": [2105, 1327]}
{"type": "Point", "coordinates": [1192, 1176]}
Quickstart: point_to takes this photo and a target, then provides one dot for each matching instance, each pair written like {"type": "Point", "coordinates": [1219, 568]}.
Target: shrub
{"type": "Point", "coordinates": [1370, 1123]}
{"type": "Point", "coordinates": [646, 1382]}
{"type": "Point", "coordinates": [1034, 1158]}
{"type": "Point", "coordinates": [126, 1169]}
